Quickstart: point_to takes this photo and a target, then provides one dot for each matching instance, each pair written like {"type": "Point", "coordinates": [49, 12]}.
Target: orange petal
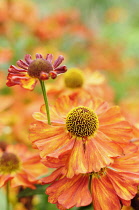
{"type": "Point", "coordinates": [22, 180]}
{"type": "Point", "coordinates": [77, 194]}
{"type": "Point", "coordinates": [112, 115]}
{"type": "Point", "coordinates": [4, 179]}
{"type": "Point", "coordinates": [55, 145]}
{"type": "Point", "coordinates": [118, 132]}
{"type": "Point", "coordinates": [127, 163]}
{"type": "Point", "coordinates": [77, 161]}
{"type": "Point", "coordinates": [103, 194]}
{"type": "Point", "coordinates": [70, 192]}
{"type": "Point", "coordinates": [53, 176]}
{"type": "Point", "coordinates": [28, 84]}
{"type": "Point", "coordinates": [124, 186]}
{"type": "Point", "coordinates": [99, 152]}
{"type": "Point", "coordinates": [39, 130]}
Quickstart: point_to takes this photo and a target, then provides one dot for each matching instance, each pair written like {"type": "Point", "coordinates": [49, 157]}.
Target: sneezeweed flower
{"type": "Point", "coordinates": [86, 133]}
{"type": "Point", "coordinates": [130, 110]}
{"type": "Point", "coordinates": [81, 82]}
{"type": "Point", "coordinates": [20, 166]}
{"type": "Point", "coordinates": [29, 71]}
{"type": "Point", "coordinates": [107, 189]}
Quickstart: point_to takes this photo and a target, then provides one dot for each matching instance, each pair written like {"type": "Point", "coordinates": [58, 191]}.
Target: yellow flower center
{"type": "Point", "coordinates": [74, 78]}
{"type": "Point", "coordinates": [100, 173]}
{"type": "Point", "coordinates": [82, 121]}
{"type": "Point", "coordinates": [39, 65]}
{"type": "Point", "coordinates": [8, 163]}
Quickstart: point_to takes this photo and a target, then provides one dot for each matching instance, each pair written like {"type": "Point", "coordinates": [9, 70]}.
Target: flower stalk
{"type": "Point", "coordinates": [45, 101]}
{"type": "Point", "coordinates": [7, 196]}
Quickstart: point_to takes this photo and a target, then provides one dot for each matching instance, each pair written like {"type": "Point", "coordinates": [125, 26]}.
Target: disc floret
{"type": "Point", "coordinates": [82, 122]}
{"type": "Point", "coordinates": [74, 78]}
{"type": "Point", "coordinates": [9, 163]}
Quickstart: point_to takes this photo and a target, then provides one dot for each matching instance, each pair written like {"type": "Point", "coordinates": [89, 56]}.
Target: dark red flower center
{"type": "Point", "coordinates": [39, 65]}
{"type": "Point", "coordinates": [3, 145]}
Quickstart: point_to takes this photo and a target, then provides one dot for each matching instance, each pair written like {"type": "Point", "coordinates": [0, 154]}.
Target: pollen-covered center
{"type": "Point", "coordinates": [74, 78]}
{"type": "Point", "coordinates": [39, 65]}
{"type": "Point", "coordinates": [82, 121]}
{"type": "Point", "coordinates": [8, 163]}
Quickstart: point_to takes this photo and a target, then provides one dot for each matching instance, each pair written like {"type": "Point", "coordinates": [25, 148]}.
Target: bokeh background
{"type": "Point", "coordinates": [101, 35]}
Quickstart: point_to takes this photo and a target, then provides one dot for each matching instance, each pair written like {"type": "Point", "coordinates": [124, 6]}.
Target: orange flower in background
{"type": "Point", "coordinates": [16, 113]}
{"type": "Point", "coordinates": [20, 166]}
{"type": "Point", "coordinates": [81, 82]}
{"type": "Point", "coordinates": [6, 55]}
{"type": "Point", "coordinates": [87, 134]}
{"type": "Point", "coordinates": [106, 57]}
{"type": "Point", "coordinates": [107, 189]}
{"type": "Point", "coordinates": [29, 71]}
{"type": "Point", "coordinates": [56, 25]}
{"type": "Point", "coordinates": [130, 110]}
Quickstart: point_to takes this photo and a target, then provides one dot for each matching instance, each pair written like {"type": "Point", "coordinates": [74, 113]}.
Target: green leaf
{"type": "Point", "coordinates": [40, 189]}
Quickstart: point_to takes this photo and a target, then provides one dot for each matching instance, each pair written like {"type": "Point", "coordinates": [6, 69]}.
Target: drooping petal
{"type": "Point", "coordinates": [99, 152]}
{"type": "Point", "coordinates": [28, 84]}
{"type": "Point", "coordinates": [50, 139]}
{"type": "Point", "coordinates": [126, 163]}
{"type": "Point", "coordinates": [112, 115]}
{"type": "Point", "coordinates": [4, 179]}
{"type": "Point", "coordinates": [103, 194]}
{"type": "Point", "coordinates": [21, 79]}
{"type": "Point", "coordinates": [76, 195]}
{"type": "Point", "coordinates": [118, 132]}
{"type": "Point", "coordinates": [53, 176]}
{"type": "Point", "coordinates": [124, 186]}
{"type": "Point", "coordinates": [125, 202]}
{"type": "Point", "coordinates": [53, 162]}
{"type": "Point", "coordinates": [22, 180]}
{"type": "Point", "coordinates": [40, 131]}
{"type": "Point", "coordinates": [77, 161]}
{"type": "Point", "coordinates": [70, 192]}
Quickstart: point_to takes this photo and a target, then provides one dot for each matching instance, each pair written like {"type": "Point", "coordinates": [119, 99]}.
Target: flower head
{"type": "Point", "coordinates": [17, 165]}
{"type": "Point", "coordinates": [117, 181]}
{"type": "Point", "coordinates": [85, 134]}
{"type": "Point", "coordinates": [80, 81]}
{"type": "Point", "coordinates": [29, 71]}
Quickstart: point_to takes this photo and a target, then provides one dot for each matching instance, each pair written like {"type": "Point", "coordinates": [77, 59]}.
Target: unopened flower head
{"type": "Point", "coordinates": [29, 71]}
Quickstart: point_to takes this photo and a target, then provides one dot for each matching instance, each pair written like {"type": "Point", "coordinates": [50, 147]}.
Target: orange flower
{"type": "Point", "coordinates": [17, 165]}
{"type": "Point", "coordinates": [82, 131]}
{"type": "Point", "coordinates": [82, 81]}
{"type": "Point", "coordinates": [30, 70]}
{"type": "Point", "coordinates": [107, 189]}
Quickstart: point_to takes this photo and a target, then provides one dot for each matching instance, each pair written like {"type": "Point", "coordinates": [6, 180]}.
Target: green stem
{"type": "Point", "coordinates": [45, 101]}
{"type": "Point", "coordinates": [7, 196]}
